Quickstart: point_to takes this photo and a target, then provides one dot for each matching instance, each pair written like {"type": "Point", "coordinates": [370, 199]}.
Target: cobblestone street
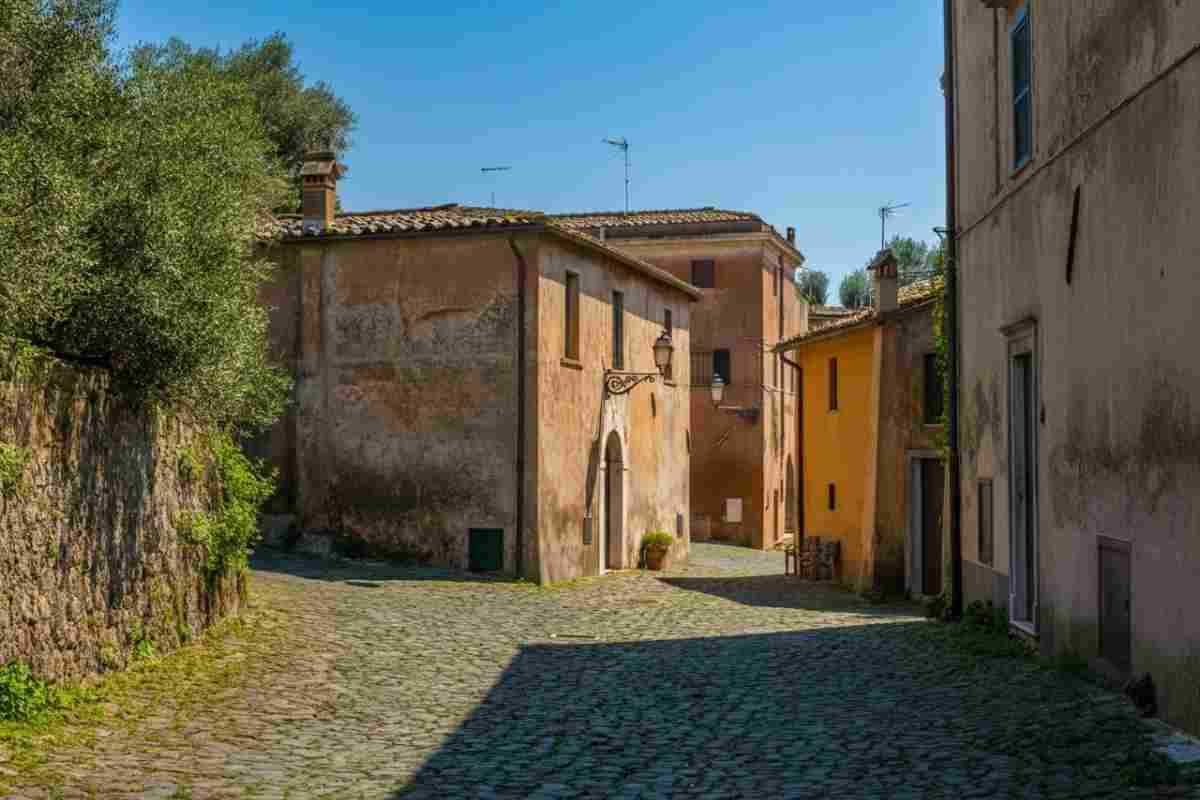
{"type": "Point", "coordinates": [719, 679]}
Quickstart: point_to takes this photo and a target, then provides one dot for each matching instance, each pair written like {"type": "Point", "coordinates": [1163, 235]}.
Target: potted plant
{"type": "Point", "coordinates": [655, 546]}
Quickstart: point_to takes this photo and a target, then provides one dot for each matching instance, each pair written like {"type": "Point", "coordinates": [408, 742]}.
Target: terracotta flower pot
{"type": "Point", "coordinates": [656, 557]}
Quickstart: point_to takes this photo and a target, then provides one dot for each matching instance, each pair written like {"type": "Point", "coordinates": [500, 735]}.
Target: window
{"type": "Point", "coordinates": [704, 274]}
{"type": "Point", "coordinates": [833, 497]}
{"type": "Point", "coordinates": [1020, 38]}
{"type": "Point", "coordinates": [933, 390]}
{"type": "Point", "coordinates": [986, 539]}
{"type": "Point", "coordinates": [618, 328]}
{"type": "Point", "coordinates": [571, 316]}
{"type": "Point", "coordinates": [668, 373]}
{"type": "Point", "coordinates": [775, 282]}
{"type": "Point", "coordinates": [722, 365]}
{"type": "Point", "coordinates": [833, 385]}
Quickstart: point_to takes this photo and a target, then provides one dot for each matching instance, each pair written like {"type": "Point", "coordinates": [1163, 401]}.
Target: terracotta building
{"type": "Point", "coordinates": [454, 398]}
{"type": "Point", "coordinates": [745, 480]}
{"type": "Point", "coordinates": [873, 474]}
{"type": "Point", "coordinates": [1076, 181]}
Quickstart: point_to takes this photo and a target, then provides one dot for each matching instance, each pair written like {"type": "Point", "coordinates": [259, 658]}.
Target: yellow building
{"type": "Point", "coordinates": [870, 419]}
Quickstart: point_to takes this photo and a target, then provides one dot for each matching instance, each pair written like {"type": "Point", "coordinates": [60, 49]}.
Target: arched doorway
{"type": "Point", "coordinates": [791, 506]}
{"type": "Point", "coordinates": [612, 548]}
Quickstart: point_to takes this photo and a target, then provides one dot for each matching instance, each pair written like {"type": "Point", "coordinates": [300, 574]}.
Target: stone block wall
{"type": "Point", "coordinates": [91, 562]}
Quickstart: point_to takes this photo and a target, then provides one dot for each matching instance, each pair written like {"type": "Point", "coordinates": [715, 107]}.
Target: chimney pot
{"type": "Point", "coordinates": [885, 282]}
{"type": "Point", "coordinates": [791, 235]}
{"type": "Point", "coordinates": [319, 177]}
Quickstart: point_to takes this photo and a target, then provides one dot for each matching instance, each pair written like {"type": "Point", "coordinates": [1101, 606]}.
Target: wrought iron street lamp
{"type": "Point", "coordinates": [621, 382]}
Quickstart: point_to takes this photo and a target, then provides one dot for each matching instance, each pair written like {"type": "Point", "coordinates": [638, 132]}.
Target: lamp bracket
{"type": "Point", "coordinates": [618, 382]}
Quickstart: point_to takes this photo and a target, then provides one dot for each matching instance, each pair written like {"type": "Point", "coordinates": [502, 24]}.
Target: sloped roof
{"type": "Point", "coordinates": [668, 216]}
{"type": "Point", "coordinates": [290, 227]}
{"type": "Point", "coordinates": [910, 296]}
{"type": "Point", "coordinates": [404, 220]}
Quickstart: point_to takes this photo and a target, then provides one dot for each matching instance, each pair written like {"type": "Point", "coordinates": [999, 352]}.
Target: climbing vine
{"type": "Point", "coordinates": [13, 461]}
{"type": "Point", "coordinates": [942, 344]}
{"type": "Point", "coordinates": [230, 530]}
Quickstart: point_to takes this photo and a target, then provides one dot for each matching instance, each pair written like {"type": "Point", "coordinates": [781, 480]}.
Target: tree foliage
{"type": "Point", "coordinates": [814, 285]}
{"type": "Point", "coordinates": [914, 259]}
{"type": "Point", "coordinates": [128, 200]}
{"type": "Point", "coordinates": [854, 291]}
{"type": "Point", "coordinates": [296, 117]}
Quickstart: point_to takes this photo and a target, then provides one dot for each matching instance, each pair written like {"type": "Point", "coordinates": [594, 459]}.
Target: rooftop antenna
{"type": "Point", "coordinates": [622, 144]}
{"type": "Point", "coordinates": [486, 170]}
{"type": "Point", "coordinates": [884, 213]}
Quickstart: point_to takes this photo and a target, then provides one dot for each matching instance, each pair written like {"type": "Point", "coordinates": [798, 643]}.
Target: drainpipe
{"type": "Point", "coordinates": [519, 536]}
{"type": "Point", "coordinates": [799, 476]}
{"type": "Point", "coordinates": [956, 565]}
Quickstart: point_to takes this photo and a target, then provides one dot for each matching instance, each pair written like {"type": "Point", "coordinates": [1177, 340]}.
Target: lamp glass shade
{"type": "Point", "coordinates": [662, 352]}
{"type": "Point", "coordinates": [718, 390]}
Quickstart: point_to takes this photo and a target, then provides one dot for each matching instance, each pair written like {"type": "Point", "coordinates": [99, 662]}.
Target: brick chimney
{"type": "Point", "coordinates": [319, 177]}
{"type": "Point", "coordinates": [885, 283]}
{"type": "Point", "coordinates": [791, 236]}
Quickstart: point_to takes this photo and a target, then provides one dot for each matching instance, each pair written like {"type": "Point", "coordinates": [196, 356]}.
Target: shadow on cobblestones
{"type": "Point", "coordinates": [864, 711]}
{"type": "Point", "coordinates": [784, 591]}
{"type": "Point", "coordinates": [357, 572]}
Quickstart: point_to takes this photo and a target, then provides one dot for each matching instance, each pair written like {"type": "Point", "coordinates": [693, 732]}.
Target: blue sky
{"type": "Point", "coordinates": [809, 118]}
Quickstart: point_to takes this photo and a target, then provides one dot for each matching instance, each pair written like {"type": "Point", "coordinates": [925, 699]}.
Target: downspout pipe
{"type": "Point", "coordinates": [519, 534]}
{"type": "Point", "coordinates": [952, 335]}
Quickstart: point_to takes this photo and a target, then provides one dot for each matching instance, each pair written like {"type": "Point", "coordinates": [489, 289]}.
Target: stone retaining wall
{"type": "Point", "coordinates": [91, 563]}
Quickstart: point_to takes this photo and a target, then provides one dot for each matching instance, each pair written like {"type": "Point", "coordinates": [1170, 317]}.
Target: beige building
{"type": "Point", "coordinates": [745, 479]}
{"type": "Point", "coordinates": [456, 400]}
{"type": "Point", "coordinates": [1077, 176]}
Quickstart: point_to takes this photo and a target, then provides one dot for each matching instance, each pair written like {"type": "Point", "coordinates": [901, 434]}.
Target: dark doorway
{"type": "Point", "coordinates": [485, 549]}
{"type": "Point", "coordinates": [933, 476]}
{"type": "Point", "coordinates": [1115, 595]}
{"type": "Point", "coordinates": [1024, 486]}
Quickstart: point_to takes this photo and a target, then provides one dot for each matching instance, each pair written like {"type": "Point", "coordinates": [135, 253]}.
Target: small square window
{"type": "Point", "coordinates": [722, 365]}
{"type": "Point", "coordinates": [704, 274]}
{"type": "Point", "coordinates": [833, 497]}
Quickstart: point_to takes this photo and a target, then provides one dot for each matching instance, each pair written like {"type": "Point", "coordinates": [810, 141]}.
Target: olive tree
{"type": "Point", "coordinates": [129, 195]}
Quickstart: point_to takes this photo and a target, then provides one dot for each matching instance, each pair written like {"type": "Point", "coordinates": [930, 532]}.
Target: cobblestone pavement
{"type": "Point", "coordinates": [718, 679]}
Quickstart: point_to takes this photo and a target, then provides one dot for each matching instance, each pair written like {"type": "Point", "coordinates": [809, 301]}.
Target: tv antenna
{"type": "Point", "coordinates": [884, 213]}
{"type": "Point", "coordinates": [486, 170]}
{"type": "Point", "coordinates": [622, 144]}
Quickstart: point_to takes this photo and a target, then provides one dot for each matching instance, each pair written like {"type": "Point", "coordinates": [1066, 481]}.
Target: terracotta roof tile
{"type": "Point", "coordinates": [670, 216]}
{"type": "Point", "coordinates": [432, 218]}
{"type": "Point", "coordinates": [290, 227]}
{"type": "Point", "coordinates": [914, 294]}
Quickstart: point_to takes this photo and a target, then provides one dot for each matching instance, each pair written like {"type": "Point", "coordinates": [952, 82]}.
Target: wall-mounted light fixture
{"type": "Point", "coordinates": [621, 382]}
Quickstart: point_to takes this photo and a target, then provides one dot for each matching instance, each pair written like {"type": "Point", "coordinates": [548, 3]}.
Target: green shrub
{"type": "Point", "coordinates": [229, 531]}
{"type": "Point", "coordinates": [13, 461]}
{"type": "Point", "coordinates": [23, 697]}
{"type": "Point", "coordinates": [935, 607]}
{"type": "Point", "coordinates": [657, 539]}
{"type": "Point", "coordinates": [986, 617]}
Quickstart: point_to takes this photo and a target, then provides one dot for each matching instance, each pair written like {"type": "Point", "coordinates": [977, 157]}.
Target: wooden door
{"type": "Point", "coordinates": [932, 484]}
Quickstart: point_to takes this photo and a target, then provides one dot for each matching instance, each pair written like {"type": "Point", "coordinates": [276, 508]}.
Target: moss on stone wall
{"type": "Point", "coordinates": [93, 571]}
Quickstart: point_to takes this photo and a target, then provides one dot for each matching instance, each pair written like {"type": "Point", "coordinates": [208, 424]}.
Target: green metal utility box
{"type": "Point", "coordinates": [486, 550]}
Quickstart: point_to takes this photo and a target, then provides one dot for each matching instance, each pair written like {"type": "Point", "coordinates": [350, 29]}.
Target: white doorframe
{"type": "Point", "coordinates": [1024, 567]}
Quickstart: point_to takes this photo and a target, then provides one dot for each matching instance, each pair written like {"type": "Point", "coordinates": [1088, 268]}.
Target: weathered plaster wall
{"type": "Point", "coordinates": [1118, 428]}
{"type": "Point", "coordinates": [91, 560]}
{"type": "Point", "coordinates": [404, 433]}
{"type": "Point", "coordinates": [575, 419]}
{"type": "Point", "coordinates": [906, 338]}
{"type": "Point", "coordinates": [736, 456]}
{"type": "Point", "coordinates": [838, 445]}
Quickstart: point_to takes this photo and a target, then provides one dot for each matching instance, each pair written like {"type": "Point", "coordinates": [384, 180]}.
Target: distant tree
{"type": "Point", "coordinates": [913, 257]}
{"type": "Point", "coordinates": [814, 285]}
{"type": "Point", "coordinates": [128, 201]}
{"type": "Point", "coordinates": [854, 291]}
{"type": "Point", "coordinates": [296, 117]}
